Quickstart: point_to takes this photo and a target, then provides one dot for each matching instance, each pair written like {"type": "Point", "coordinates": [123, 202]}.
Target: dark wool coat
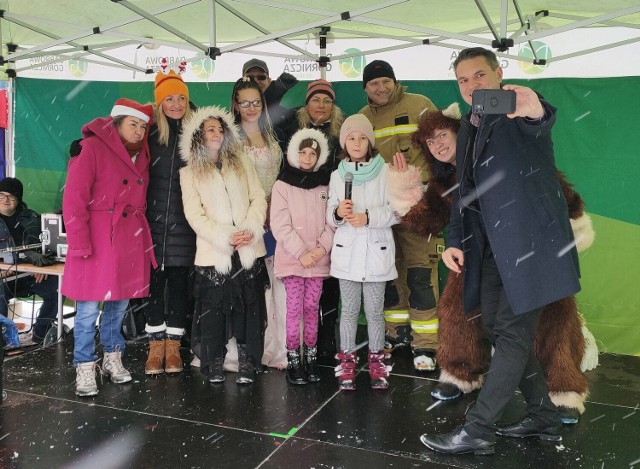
{"type": "Point", "coordinates": [24, 225]}
{"type": "Point", "coordinates": [523, 209]}
{"type": "Point", "coordinates": [463, 354]}
{"type": "Point", "coordinates": [174, 240]}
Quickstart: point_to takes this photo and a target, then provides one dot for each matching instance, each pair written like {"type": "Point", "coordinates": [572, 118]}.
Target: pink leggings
{"type": "Point", "coordinates": [303, 298]}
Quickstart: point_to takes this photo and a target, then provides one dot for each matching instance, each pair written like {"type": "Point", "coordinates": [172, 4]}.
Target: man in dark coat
{"type": "Point", "coordinates": [24, 227]}
{"type": "Point", "coordinates": [273, 91]}
{"type": "Point", "coordinates": [510, 233]}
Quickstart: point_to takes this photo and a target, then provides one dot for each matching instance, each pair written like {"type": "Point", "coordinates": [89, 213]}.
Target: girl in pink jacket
{"type": "Point", "coordinates": [304, 239]}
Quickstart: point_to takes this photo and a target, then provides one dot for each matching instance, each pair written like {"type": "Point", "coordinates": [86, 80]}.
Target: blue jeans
{"type": "Point", "coordinates": [84, 330]}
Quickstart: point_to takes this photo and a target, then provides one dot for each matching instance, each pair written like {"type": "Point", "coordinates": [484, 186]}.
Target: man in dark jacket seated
{"type": "Point", "coordinates": [23, 227]}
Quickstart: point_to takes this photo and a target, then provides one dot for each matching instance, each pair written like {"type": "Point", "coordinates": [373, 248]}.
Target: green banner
{"type": "Point", "coordinates": [596, 139]}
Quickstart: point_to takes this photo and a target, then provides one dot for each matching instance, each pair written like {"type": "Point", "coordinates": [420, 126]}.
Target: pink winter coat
{"type": "Point", "coordinates": [298, 222]}
{"type": "Point", "coordinates": [110, 250]}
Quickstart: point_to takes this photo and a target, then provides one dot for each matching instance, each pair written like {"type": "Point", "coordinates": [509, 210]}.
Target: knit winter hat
{"type": "Point", "coordinates": [377, 69]}
{"type": "Point", "coordinates": [357, 122]}
{"type": "Point", "coordinates": [255, 63]}
{"type": "Point", "coordinates": [320, 86]}
{"type": "Point", "coordinates": [308, 138]}
{"type": "Point", "coordinates": [168, 84]}
{"type": "Point", "coordinates": [12, 186]}
{"type": "Point", "coordinates": [129, 107]}
{"type": "Point", "coordinates": [309, 143]}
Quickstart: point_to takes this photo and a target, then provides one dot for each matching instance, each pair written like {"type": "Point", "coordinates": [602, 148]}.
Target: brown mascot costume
{"type": "Point", "coordinates": [464, 353]}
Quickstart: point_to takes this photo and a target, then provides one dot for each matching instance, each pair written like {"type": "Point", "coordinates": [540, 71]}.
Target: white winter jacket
{"type": "Point", "coordinates": [219, 202]}
{"type": "Point", "coordinates": [366, 253]}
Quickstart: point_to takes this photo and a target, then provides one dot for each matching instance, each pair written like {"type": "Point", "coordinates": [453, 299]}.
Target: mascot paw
{"type": "Point", "coordinates": [445, 391]}
{"type": "Point", "coordinates": [569, 415]}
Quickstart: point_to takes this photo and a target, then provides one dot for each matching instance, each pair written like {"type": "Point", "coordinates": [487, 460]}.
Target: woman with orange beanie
{"type": "Point", "coordinates": [173, 239]}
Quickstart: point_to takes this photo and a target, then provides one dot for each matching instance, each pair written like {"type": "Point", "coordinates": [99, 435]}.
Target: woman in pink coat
{"type": "Point", "coordinates": [110, 249]}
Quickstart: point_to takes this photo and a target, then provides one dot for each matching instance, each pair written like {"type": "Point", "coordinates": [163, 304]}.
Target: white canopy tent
{"type": "Point", "coordinates": [592, 73]}
{"type": "Point", "coordinates": [90, 29]}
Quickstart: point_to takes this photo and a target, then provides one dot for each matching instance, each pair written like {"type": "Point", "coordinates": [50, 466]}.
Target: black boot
{"type": "Point", "coordinates": [216, 371]}
{"type": "Point", "coordinates": [295, 373]}
{"type": "Point", "coordinates": [310, 365]}
{"type": "Point", "coordinates": [246, 366]}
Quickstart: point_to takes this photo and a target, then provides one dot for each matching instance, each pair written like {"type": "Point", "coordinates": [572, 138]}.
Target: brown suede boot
{"type": "Point", "coordinates": [172, 360]}
{"type": "Point", "coordinates": [155, 361]}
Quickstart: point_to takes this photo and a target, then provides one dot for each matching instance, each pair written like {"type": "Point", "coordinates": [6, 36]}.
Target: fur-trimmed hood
{"type": "Point", "coordinates": [194, 152]}
{"type": "Point", "coordinates": [294, 147]}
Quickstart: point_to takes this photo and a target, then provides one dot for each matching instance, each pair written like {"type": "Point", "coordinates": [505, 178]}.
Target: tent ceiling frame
{"type": "Point", "coordinates": [579, 24]}
{"type": "Point", "coordinates": [259, 28]}
{"type": "Point", "coordinates": [91, 32]}
{"type": "Point", "coordinates": [306, 27]}
{"type": "Point", "coordinates": [143, 40]}
{"type": "Point", "coordinates": [527, 31]}
{"type": "Point", "coordinates": [167, 27]}
{"type": "Point", "coordinates": [71, 43]}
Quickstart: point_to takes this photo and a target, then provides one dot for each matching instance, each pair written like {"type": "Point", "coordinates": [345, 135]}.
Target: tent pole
{"type": "Point", "coordinates": [212, 23]}
{"type": "Point", "coordinates": [323, 59]}
{"type": "Point", "coordinates": [9, 143]}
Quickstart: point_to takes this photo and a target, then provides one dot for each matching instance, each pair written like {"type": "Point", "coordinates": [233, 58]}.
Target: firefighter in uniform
{"type": "Point", "coordinates": [410, 301]}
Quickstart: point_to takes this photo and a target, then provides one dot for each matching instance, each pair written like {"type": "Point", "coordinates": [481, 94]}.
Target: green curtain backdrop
{"type": "Point", "coordinates": [596, 139]}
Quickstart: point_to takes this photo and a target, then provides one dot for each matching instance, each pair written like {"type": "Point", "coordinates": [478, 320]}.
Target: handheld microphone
{"type": "Point", "coordinates": [348, 185]}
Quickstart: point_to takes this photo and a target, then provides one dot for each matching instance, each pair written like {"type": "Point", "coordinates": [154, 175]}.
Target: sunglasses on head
{"type": "Point", "coordinates": [258, 77]}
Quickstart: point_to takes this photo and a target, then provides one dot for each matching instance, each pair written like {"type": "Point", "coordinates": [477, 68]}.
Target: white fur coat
{"type": "Point", "coordinates": [220, 201]}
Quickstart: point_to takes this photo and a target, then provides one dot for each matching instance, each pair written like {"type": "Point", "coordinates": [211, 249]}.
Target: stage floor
{"type": "Point", "coordinates": [183, 421]}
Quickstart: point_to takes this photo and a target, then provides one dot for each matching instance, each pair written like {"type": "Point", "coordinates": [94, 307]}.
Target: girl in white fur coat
{"type": "Point", "coordinates": [225, 205]}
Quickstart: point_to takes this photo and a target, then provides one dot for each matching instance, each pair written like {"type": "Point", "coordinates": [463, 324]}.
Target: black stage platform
{"type": "Point", "coordinates": [185, 422]}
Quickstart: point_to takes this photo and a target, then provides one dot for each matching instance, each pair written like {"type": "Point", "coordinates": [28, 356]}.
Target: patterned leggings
{"type": "Point", "coordinates": [303, 299]}
{"type": "Point", "coordinates": [351, 294]}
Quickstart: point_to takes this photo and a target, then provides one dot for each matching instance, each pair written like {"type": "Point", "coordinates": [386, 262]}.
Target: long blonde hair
{"type": "Point", "coordinates": [163, 124]}
{"type": "Point", "coordinates": [336, 118]}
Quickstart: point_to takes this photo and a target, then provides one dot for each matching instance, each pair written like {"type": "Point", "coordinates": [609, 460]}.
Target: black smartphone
{"type": "Point", "coordinates": [493, 102]}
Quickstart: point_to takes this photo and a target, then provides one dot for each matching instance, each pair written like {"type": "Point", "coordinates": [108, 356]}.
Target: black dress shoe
{"type": "Point", "coordinates": [528, 427]}
{"type": "Point", "coordinates": [458, 442]}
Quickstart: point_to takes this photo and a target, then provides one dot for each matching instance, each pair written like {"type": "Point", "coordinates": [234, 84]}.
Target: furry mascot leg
{"type": "Point", "coordinates": [560, 348]}
{"type": "Point", "coordinates": [463, 354]}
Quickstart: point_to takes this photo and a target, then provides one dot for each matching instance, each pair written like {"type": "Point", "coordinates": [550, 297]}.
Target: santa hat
{"type": "Point", "coordinates": [168, 84]}
{"type": "Point", "coordinates": [308, 138]}
{"type": "Point", "coordinates": [359, 123]}
{"type": "Point", "coordinates": [129, 107]}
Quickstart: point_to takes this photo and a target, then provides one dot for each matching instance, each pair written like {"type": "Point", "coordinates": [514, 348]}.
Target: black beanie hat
{"type": "Point", "coordinates": [12, 186]}
{"type": "Point", "coordinates": [377, 69]}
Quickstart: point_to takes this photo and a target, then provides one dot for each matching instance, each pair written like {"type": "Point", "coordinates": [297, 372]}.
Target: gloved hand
{"type": "Point", "coordinates": [38, 259]}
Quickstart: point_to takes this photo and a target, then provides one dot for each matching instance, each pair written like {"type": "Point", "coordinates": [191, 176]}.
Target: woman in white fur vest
{"type": "Point", "coordinates": [225, 205]}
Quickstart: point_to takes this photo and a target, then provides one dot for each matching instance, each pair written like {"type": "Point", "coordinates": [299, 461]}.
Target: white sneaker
{"type": "Point", "coordinates": [112, 366]}
{"type": "Point", "coordinates": [86, 379]}
{"type": "Point", "coordinates": [424, 362]}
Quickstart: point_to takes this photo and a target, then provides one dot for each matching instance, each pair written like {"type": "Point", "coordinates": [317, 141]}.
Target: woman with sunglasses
{"type": "Point", "coordinates": [261, 146]}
